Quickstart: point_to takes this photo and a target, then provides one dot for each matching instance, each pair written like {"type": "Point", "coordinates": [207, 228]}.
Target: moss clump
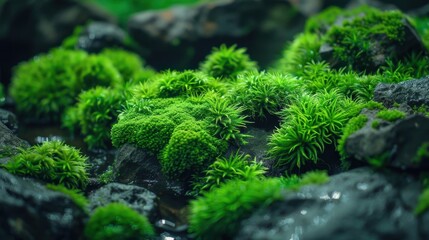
{"type": "Point", "coordinates": [53, 162]}
{"type": "Point", "coordinates": [117, 221]}
{"type": "Point", "coordinates": [423, 203]}
{"type": "Point", "coordinates": [422, 153]}
{"type": "Point", "coordinates": [391, 115]}
{"type": "Point", "coordinates": [186, 83]}
{"type": "Point", "coordinates": [190, 150]}
{"type": "Point", "coordinates": [74, 195]}
{"type": "Point", "coordinates": [227, 62]}
{"type": "Point", "coordinates": [44, 86]}
{"type": "Point", "coordinates": [375, 124]}
{"type": "Point", "coordinates": [217, 214]}
{"type": "Point", "coordinates": [263, 95]}
{"type": "Point", "coordinates": [312, 122]}
{"type": "Point", "coordinates": [353, 125]}
{"type": "Point", "coordinates": [127, 63]}
{"type": "Point", "coordinates": [95, 113]}
{"type": "Point", "coordinates": [321, 22]}
{"type": "Point", "coordinates": [235, 167]}
{"type": "Point", "coordinates": [295, 182]}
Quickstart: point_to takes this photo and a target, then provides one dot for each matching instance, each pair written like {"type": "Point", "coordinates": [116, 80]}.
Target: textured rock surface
{"type": "Point", "coordinates": [359, 204]}
{"type": "Point", "coordinates": [134, 165]}
{"type": "Point", "coordinates": [30, 211]}
{"type": "Point", "coordinates": [138, 198]}
{"type": "Point", "coordinates": [9, 120]}
{"type": "Point", "coordinates": [413, 92]}
{"type": "Point", "coordinates": [9, 142]}
{"type": "Point", "coordinates": [182, 36]}
{"type": "Point", "coordinates": [397, 143]}
{"type": "Point", "coordinates": [99, 35]}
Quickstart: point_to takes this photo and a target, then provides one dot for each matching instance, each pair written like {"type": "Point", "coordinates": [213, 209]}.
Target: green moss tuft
{"type": "Point", "coordinates": [375, 124]}
{"type": "Point", "coordinates": [353, 125]}
{"type": "Point", "coordinates": [423, 203]}
{"type": "Point", "coordinates": [53, 162]}
{"type": "Point", "coordinates": [117, 221]}
{"type": "Point", "coordinates": [295, 182]}
{"type": "Point", "coordinates": [127, 63]}
{"type": "Point", "coordinates": [76, 196]}
{"type": "Point", "coordinates": [227, 62]}
{"type": "Point", "coordinates": [391, 115]}
{"type": "Point", "coordinates": [217, 214]}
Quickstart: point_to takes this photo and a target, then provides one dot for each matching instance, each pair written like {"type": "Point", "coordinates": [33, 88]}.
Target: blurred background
{"type": "Point", "coordinates": [174, 34]}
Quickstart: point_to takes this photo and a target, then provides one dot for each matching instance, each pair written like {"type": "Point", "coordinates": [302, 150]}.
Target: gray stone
{"type": "Point", "coordinates": [359, 204]}
{"type": "Point", "coordinates": [99, 35]}
{"type": "Point", "coordinates": [138, 198]}
{"type": "Point", "coordinates": [135, 166]}
{"type": "Point", "coordinates": [9, 120]}
{"type": "Point", "coordinates": [9, 143]}
{"type": "Point", "coordinates": [182, 36]}
{"type": "Point", "coordinates": [397, 143]}
{"type": "Point", "coordinates": [30, 211]}
{"type": "Point", "coordinates": [412, 92]}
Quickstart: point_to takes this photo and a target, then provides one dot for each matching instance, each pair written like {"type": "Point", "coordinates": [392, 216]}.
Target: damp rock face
{"type": "Point", "coordinates": [9, 120]}
{"type": "Point", "coordinates": [138, 198]}
{"type": "Point", "coordinates": [135, 166]}
{"type": "Point", "coordinates": [30, 211]}
{"type": "Point", "coordinates": [359, 204]}
{"type": "Point", "coordinates": [9, 142]}
{"type": "Point", "coordinates": [183, 35]}
{"type": "Point", "coordinates": [99, 35]}
{"type": "Point", "coordinates": [413, 93]}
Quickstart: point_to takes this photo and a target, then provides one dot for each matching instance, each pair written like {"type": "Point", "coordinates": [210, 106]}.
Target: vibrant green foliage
{"type": "Point", "coordinates": [227, 62]}
{"type": "Point", "coordinates": [217, 214]}
{"type": "Point", "coordinates": [295, 182]}
{"type": "Point", "coordinates": [44, 86]}
{"type": "Point", "coordinates": [422, 153]}
{"type": "Point", "coordinates": [262, 95]}
{"type": "Point", "coordinates": [71, 41]}
{"type": "Point", "coordinates": [127, 63]}
{"type": "Point", "coordinates": [235, 167]}
{"type": "Point", "coordinates": [76, 196]}
{"type": "Point", "coordinates": [190, 150]}
{"type": "Point", "coordinates": [303, 50]}
{"type": "Point", "coordinates": [186, 83]}
{"type": "Point", "coordinates": [391, 115]}
{"type": "Point", "coordinates": [309, 124]}
{"type": "Point", "coordinates": [107, 176]}
{"type": "Point", "coordinates": [117, 221]}
{"type": "Point", "coordinates": [423, 203]}
{"type": "Point", "coordinates": [53, 162]}
{"type": "Point", "coordinates": [321, 22]}
{"type": "Point", "coordinates": [375, 124]}
{"type": "Point", "coordinates": [353, 125]}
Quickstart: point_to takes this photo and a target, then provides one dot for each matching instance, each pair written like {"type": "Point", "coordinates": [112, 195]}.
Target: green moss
{"type": "Point", "coordinates": [97, 110]}
{"type": "Point", "coordinates": [75, 195]}
{"type": "Point", "coordinates": [96, 71]}
{"type": "Point", "coordinates": [190, 150]}
{"type": "Point", "coordinates": [186, 83]}
{"type": "Point", "coordinates": [227, 62]}
{"type": "Point", "coordinates": [353, 125]}
{"type": "Point", "coordinates": [391, 115]}
{"type": "Point", "coordinates": [375, 124]}
{"type": "Point", "coordinates": [53, 162]}
{"type": "Point", "coordinates": [235, 167]}
{"type": "Point", "coordinates": [44, 86]}
{"type": "Point", "coordinates": [107, 176]}
{"type": "Point", "coordinates": [423, 203]}
{"type": "Point", "coordinates": [321, 22]}
{"type": "Point", "coordinates": [127, 63]}
{"type": "Point", "coordinates": [217, 214]}
{"type": "Point", "coordinates": [422, 153]}
{"type": "Point", "coordinates": [295, 182]}
{"type": "Point", "coordinates": [312, 122]}
{"type": "Point", "coordinates": [303, 50]}
{"type": "Point", "coordinates": [71, 41]}
{"type": "Point", "coordinates": [117, 221]}
{"type": "Point", "coordinates": [263, 95]}
{"type": "Point", "coordinates": [373, 105]}
{"type": "Point", "coordinates": [378, 161]}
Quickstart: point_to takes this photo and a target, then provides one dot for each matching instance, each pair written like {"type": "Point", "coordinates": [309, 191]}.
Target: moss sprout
{"type": "Point", "coordinates": [117, 221]}
{"type": "Point", "coordinates": [53, 162]}
{"type": "Point", "coordinates": [353, 125]}
{"type": "Point", "coordinates": [391, 115]}
{"type": "Point", "coordinates": [295, 182]}
{"type": "Point", "coordinates": [423, 203]}
{"type": "Point", "coordinates": [217, 214]}
{"type": "Point", "coordinates": [75, 195]}
{"type": "Point", "coordinates": [422, 153]}
{"type": "Point", "coordinates": [227, 62]}
{"type": "Point", "coordinates": [375, 124]}
{"type": "Point", "coordinates": [127, 63]}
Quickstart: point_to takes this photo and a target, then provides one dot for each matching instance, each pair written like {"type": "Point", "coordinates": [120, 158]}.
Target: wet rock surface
{"type": "Point", "coordinates": [99, 35]}
{"type": "Point", "coordinates": [135, 166]}
{"type": "Point", "coordinates": [138, 198]}
{"type": "Point", "coordinates": [30, 211]}
{"type": "Point", "coordinates": [9, 143]}
{"type": "Point", "coordinates": [9, 120]}
{"type": "Point", "coordinates": [359, 204]}
{"type": "Point", "coordinates": [395, 145]}
{"type": "Point", "coordinates": [413, 92]}
{"type": "Point", "coordinates": [183, 35]}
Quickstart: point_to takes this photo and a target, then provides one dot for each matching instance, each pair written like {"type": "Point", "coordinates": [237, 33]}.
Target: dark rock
{"type": "Point", "coordinates": [393, 144]}
{"type": "Point", "coordinates": [9, 143]}
{"type": "Point", "coordinates": [138, 198]}
{"type": "Point", "coordinates": [359, 204]}
{"type": "Point", "coordinates": [135, 166]}
{"type": "Point", "coordinates": [180, 37]}
{"type": "Point", "coordinates": [99, 35]}
{"type": "Point", "coordinates": [9, 120]}
{"type": "Point", "coordinates": [413, 93]}
{"type": "Point", "coordinates": [396, 144]}
{"type": "Point", "coordinates": [30, 211]}
{"type": "Point", "coordinates": [28, 27]}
